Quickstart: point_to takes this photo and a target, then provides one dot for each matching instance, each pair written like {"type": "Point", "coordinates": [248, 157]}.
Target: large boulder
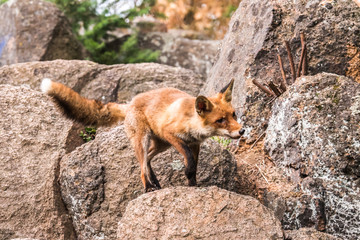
{"type": "Point", "coordinates": [99, 178]}
{"type": "Point", "coordinates": [197, 55]}
{"type": "Point", "coordinates": [33, 140]}
{"type": "Point", "coordinates": [198, 213]}
{"type": "Point", "coordinates": [257, 33]}
{"type": "Point", "coordinates": [35, 31]}
{"type": "Point", "coordinates": [106, 83]}
{"type": "Point", "coordinates": [313, 135]}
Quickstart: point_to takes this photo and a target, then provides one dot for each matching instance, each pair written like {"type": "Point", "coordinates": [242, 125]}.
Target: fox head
{"type": "Point", "coordinates": [218, 115]}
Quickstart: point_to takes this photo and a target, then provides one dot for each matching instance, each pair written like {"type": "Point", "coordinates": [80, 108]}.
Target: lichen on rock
{"type": "Point", "coordinates": [312, 135]}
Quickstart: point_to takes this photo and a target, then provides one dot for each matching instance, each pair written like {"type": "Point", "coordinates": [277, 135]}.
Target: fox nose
{"type": "Point", "coordinates": [241, 132]}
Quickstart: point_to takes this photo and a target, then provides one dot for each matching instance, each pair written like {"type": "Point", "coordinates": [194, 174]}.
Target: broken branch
{"type": "Point", "coordinates": [291, 60]}
{"type": "Point", "coordinates": [263, 88]}
{"type": "Point", "coordinates": [302, 56]}
{"type": "Point", "coordinates": [283, 82]}
{"type": "Point", "coordinates": [305, 64]}
{"type": "Point", "coordinates": [257, 140]}
{"type": "Point", "coordinates": [274, 88]}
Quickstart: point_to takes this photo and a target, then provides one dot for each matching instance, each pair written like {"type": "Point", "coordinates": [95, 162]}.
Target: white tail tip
{"type": "Point", "coordinates": [45, 85]}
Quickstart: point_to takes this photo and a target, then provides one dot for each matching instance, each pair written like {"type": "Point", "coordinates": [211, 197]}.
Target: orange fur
{"type": "Point", "coordinates": [156, 120]}
{"type": "Point", "coordinates": [90, 112]}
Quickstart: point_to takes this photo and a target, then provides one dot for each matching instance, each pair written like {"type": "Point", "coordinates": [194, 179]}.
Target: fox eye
{"type": "Point", "coordinates": [221, 120]}
{"type": "Point", "coordinates": [234, 115]}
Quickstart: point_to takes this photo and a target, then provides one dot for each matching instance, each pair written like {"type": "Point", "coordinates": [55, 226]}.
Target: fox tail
{"type": "Point", "coordinates": [86, 111]}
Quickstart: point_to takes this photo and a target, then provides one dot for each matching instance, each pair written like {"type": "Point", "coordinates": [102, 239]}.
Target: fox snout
{"type": "Point", "coordinates": [237, 133]}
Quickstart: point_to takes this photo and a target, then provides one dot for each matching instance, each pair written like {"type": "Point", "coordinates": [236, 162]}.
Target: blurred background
{"type": "Point", "coordinates": [113, 31]}
{"type": "Point", "coordinates": [207, 16]}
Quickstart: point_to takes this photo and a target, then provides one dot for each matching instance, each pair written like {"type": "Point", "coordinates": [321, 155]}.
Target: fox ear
{"type": "Point", "coordinates": [227, 91]}
{"type": "Point", "coordinates": [202, 105]}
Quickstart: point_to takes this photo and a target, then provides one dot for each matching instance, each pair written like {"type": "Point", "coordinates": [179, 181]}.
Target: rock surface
{"type": "Point", "coordinates": [308, 234]}
{"type": "Point", "coordinates": [33, 140]}
{"type": "Point", "coordinates": [313, 135]}
{"type": "Point", "coordinates": [197, 213]}
{"type": "Point", "coordinates": [197, 55]}
{"type": "Point", "coordinates": [259, 28]}
{"type": "Point", "coordinates": [99, 178]}
{"type": "Point", "coordinates": [35, 31]}
{"type": "Point", "coordinates": [106, 83]}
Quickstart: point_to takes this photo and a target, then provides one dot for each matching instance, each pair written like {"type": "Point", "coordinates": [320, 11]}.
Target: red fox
{"type": "Point", "coordinates": [156, 120]}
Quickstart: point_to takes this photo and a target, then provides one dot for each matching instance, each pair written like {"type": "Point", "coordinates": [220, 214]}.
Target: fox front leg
{"type": "Point", "coordinates": [191, 166]}
{"type": "Point", "coordinates": [190, 154]}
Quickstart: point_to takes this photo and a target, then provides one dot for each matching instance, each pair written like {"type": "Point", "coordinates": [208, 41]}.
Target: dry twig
{"type": "Point", "coordinates": [263, 88]}
{"type": "Point", "coordinates": [260, 171]}
{"type": "Point", "coordinates": [301, 60]}
{"type": "Point", "coordinates": [257, 140]}
{"type": "Point", "coordinates": [274, 88]}
{"type": "Point", "coordinates": [305, 63]}
{"type": "Point", "coordinates": [283, 82]}
{"type": "Point", "coordinates": [291, 60]}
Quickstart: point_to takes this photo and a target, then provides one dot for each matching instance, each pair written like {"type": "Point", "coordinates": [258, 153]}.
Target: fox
{"type": "Point", "coordinates": [156, 120]}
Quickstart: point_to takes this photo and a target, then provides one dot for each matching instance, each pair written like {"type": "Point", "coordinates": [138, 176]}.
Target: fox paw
{"type": "Point", "coordinates": [152, 188]}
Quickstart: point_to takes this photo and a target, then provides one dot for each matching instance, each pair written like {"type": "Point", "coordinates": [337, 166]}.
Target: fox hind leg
{"type": "Point", "coordinates": [146, 148]}
{"type": "Point", "coordinates": [156, 146]}
{"type": "Point", "coordinates": [140, 137]}
{"type": "Point", "coordinates": [148, 177]}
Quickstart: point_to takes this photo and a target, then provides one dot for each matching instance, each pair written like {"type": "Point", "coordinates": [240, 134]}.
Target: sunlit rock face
{"type": "Point", "coordinates": [34, 136]}
{"type": "Point", "coordinates": [255, 36]}
{"type": "Point", "coordinates": [198, 213]}
{"type": "Point", "coordinates": [314, 136]}
{"type": "Point", "coordinates": [35, 31]}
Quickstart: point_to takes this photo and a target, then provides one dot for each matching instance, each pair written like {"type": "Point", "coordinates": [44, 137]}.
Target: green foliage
{"type": "Point", "coordinates": [83, 14]}
{"type": "Point", "coordinates": [130, 52]}
{"type": "Point", "coordinates": [78, 12]}
{"type": "Point", "coordinates": [3, 1]}
{"type": "Point", "coordinates": [222, 141]}
{"type": "Point", "coordinates": [229, 11]}
{"type": "Point", "coordinates": [89, 134]}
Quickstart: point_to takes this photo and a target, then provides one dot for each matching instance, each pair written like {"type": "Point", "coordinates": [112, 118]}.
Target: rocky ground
{"type": "Point", "coordinates": [294, 175]}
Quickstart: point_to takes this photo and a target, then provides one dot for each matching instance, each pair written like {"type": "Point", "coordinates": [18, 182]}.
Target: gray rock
{"type": "Point", "coordinates": [33, 140]}
{"type": "Point", "coordinates": [259, 28]}
{"type": "Point", "coordinates": [99, 178]}
{"type": "Point", "coordinates": [198, 213]}
{"type": "Point", "coordinates": [308, 234]}
{"type": "Point", "coordinates": [72, 73]}
{"type": "Point", "coordinates": [122, 82]}
{"type": "Point", "coordinates": [35, 31]}
{"type": "Point", "coordinates": [313, 135]}
{"type": "Point", "coordinates": [197, 55]}
{"type": "Point", "coordinates": [106, 83]}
